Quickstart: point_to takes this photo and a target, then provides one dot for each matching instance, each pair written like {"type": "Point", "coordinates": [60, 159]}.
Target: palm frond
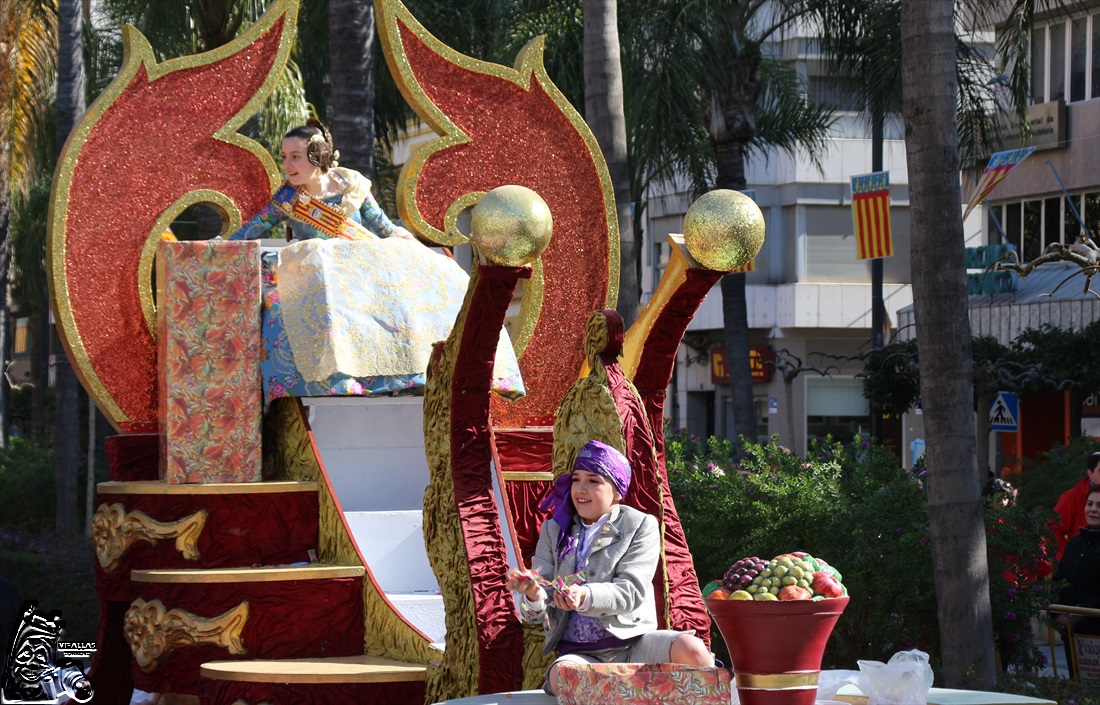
{"type": "Point", "coordinates": [27, 232]}
{"type": "Point", "coordinates": [786, 119]}
{"type": "Point", "coordinates": [26, 78]}
{"type": "Point", "coordinates": [284, 109]}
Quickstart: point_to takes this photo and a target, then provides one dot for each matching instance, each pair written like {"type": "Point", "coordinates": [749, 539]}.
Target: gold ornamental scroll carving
{"type": "Point", "coordinates": [114, 531]}
{"type": "Point", "coordinates": [154, 632]}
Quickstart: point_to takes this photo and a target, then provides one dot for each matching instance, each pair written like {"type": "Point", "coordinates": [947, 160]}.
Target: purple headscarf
{"type": "Point", "coordinates": [594, 457]}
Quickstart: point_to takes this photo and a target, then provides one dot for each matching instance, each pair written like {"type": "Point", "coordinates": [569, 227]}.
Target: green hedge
{"type": "Point", "coordinates": [854, 506]}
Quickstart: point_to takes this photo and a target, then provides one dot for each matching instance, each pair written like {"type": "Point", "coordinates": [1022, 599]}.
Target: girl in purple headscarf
{"type": "Point", "coordinates": [591, 579]}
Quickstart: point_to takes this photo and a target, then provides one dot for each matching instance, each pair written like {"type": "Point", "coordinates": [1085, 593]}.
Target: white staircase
{"type": "Point", "coordinates": [373, 451]}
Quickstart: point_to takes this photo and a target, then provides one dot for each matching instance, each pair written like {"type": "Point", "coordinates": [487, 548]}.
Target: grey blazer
{"type": "Point", "coordinates": [620, 571]}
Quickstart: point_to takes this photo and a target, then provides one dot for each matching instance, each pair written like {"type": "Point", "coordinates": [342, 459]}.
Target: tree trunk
{"type": "Point", "coordinates": [606, 116]}
{"type": "Point", "coordinates": [70, 109]}
{"type": "Point", "coordinates": [943, 336]}
{"type": "Point", "coordinates": [735, 317]}
{"type": "Point", "coordinates": [788, 391]}
{"type": "Point", "coordinates": [5, 312]}
{"type": "Point", "coordinates": [351, 46]}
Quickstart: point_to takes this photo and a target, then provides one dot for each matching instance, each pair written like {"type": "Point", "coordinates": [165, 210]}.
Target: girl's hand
{"type": "Point", "coordinates": [402, 234]}
{"type": "Point", "coordinates": [524, 582]}
{"type": "Point", "coordinates": [569, 597]}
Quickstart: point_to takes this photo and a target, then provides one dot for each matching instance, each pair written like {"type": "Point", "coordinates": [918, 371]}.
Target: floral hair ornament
{"type": "Point", "coordinates": [594, 457]}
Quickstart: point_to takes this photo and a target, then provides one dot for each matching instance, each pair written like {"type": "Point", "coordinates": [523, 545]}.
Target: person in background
{"type": "Point", "coordinates": [1070, 506]}
{"type": "Point", "coordinates": [1079, 572]}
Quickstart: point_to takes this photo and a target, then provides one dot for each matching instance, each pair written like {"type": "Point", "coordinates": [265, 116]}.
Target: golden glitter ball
{"type": "Point", "coordinates": [724, 230]}
{"type": "Point", "coordinates": [511, 226]}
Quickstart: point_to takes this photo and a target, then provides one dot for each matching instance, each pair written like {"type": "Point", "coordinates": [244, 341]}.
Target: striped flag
{"type": "Point", "coordinates": [995, 172]}
{"type": "Point", "coordinates": [871, 214]}
{"type": "Point", "coordinates": [748, 266]}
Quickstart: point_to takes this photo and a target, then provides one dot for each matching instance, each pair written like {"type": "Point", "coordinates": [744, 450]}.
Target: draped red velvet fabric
{"type": "Point", "coordinates": [525, 450]}
{"type": "Point", "coordinates": [500, 639]}
{"type": "Point", "coordinates": [652, 379]}
{"type": "Point", "coordinates": [287, 619]}
{"type": "Point", "coordinates": [241, 530]}
{"type": "Point", "coordinates": [133, 457]}
{"type": "Point", "coordinates": [229, 692]}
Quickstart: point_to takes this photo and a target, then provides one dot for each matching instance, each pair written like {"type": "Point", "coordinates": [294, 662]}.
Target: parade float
{"type": "Point", "coordinates": [353, 547]}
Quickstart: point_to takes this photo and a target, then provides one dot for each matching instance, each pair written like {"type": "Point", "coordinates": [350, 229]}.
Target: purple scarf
{"type": "Point", "coordinates": [599, 459]}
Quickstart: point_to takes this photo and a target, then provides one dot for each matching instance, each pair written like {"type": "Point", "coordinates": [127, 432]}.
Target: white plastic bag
{"type": "Point", "coordinates": [829, 682]}
{"type": "Point", "coordinates": [905, 680]}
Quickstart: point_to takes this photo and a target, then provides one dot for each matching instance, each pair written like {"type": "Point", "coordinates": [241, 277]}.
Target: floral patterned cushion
{"type": "Point", "coordinates": [642, 684]}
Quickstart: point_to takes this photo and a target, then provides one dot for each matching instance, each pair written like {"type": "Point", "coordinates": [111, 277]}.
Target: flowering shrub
{"type": "Point", "coordinates": [856, 507]}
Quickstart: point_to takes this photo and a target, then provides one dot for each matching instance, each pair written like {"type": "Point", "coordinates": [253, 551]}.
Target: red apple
{"type": "Point", "coordinates": [825, 584]}
{"type": "Point", "coordinates": [794, 592]}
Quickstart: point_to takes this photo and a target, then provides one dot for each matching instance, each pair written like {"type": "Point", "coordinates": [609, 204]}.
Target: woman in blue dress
{"type": "Point", "coordinates": [354, 303]}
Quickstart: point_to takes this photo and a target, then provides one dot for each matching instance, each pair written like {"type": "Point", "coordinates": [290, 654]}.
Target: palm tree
{"type": "Point", "coordinates": [947, 100]}
{"type": "Point", "coordinates": [70, 108]}
{"type": "Point", "coordinates": [28, 32]}
{"type": "Point", "coordinates": [606, 116]}
{"type": "Point", "coordinates": [712, 95]}
{"type": "Point", "coordinates": [943, 334]}
{"type": "Point", "coordinates": [352, 58]}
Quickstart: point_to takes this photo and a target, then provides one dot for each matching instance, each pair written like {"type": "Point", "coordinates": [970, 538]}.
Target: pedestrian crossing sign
{"type": "Point", "coordinates": [1004, 413]}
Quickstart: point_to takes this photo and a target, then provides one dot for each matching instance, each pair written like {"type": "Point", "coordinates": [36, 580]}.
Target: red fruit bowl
{"type": "Point", "coordinates": [776, 646]}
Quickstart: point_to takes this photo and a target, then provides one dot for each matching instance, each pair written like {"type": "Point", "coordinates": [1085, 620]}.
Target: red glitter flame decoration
{"type": "Point", "coordinates": [159, 134]}
{"type": "Point", "coordinates": [511, 126]}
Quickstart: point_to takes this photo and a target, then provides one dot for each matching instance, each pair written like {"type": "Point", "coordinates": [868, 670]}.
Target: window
{"type": "Point", "coordinates": [1033, 225]}
{"type": "Point", "coordinates": [1078, 59]}
{"type": "Point", "coordinates": [834, 92]}
{"type": "Point", "coordinates": [1062, 47]}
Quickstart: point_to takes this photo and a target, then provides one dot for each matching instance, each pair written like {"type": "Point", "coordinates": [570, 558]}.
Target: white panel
{"type": "Point", "coordinates": [835, 397]}
{"type": "Point", "coordinates": [392, 543]}
{"type": "Point", "coordinates": [761, 303]}
{"type": "Point", "coordinates": [806, 314]}
{"type": "Point", "coordinates": [373, 450]}
{"type": "Point", "coordinates": [425, 612]}
{"type": "Point", "coordinates": [855, 307]}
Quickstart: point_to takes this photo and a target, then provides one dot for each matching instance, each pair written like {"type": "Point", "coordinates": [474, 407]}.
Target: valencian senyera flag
{"type": "Point", "coordinates": [995, 172]}
{"type": "Point", "coordinates": [748, 266]}
{"type": "Point", "coordinates": [871, 214]}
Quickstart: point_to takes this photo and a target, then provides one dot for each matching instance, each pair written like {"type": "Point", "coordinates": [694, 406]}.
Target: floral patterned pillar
{"type": "Point", "coordinates": [208, 361]}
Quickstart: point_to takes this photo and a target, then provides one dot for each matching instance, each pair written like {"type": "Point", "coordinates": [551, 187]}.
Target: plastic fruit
{"type": "Point", "coordinates": [825, 584]}
{"type": "Point", "coordinates": [793, 592]}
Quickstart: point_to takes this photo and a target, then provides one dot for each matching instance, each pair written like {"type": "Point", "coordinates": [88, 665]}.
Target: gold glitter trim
{"type": "Point", "coordinates": [231, 219]}
{"type": "Point", "coordinates": [674, 277]}
{"type": "Point", "coordinates": [528, 476]}
{"type": "Point", "coordinates": [114, 531]}
{"type": "Point", "coordinates": [138, 53]}
{"type": "Point", "coordinates": [777, 681]}
{"type": "Point", "coordinates": [287, 443]}
{"type": "Point", "coordinates": [450, 220]}
{"type": "Point", "coordinates": [154, 632]}
{"type": "Point", "coordinates": [528, 65]}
